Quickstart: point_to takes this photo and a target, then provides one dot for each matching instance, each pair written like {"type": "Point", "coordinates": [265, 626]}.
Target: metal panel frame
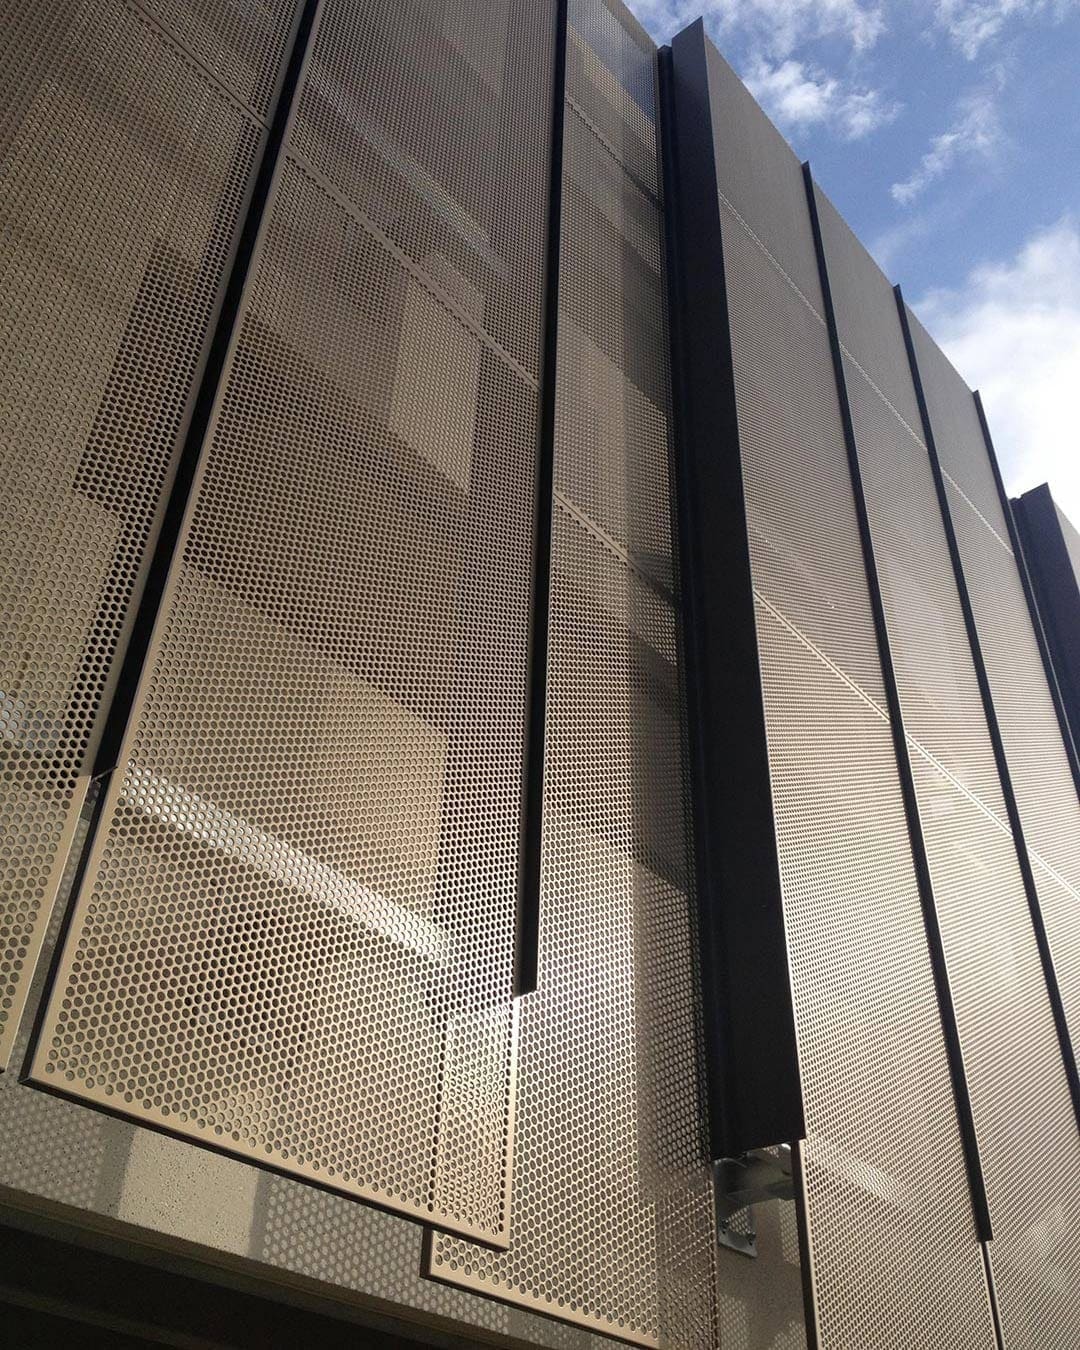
{"type": "Point", "coordinates": [755, 1092]}
{"type": "Point", "coordinates": [527, 929]}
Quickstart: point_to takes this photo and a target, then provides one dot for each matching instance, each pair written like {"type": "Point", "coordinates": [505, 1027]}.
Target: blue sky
{"type": "Point", "coordinates": [948, 134]}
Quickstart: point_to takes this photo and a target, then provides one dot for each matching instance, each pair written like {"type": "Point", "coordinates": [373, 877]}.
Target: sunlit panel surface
{"type": "Point", "coordinates": [295, 936]}
{"type": "Point", "coordinates": [126, 164]}
{"type": "Point", "coordinates": [612, 1224]}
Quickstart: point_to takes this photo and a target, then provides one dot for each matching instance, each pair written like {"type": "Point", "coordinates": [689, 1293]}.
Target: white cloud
{"type": "Point", "coordinates": [972, 23]}
{"type": "Point", "coordinates": [797, 95]}
{"type": "Point", "coordinates": [892, 243]}
{"type": "Point", "coordinates": [974, 134]}
{"type": "Point", "coordinates": [775, 26]}
{"type": "Point", "coordinates": [1013, 331]}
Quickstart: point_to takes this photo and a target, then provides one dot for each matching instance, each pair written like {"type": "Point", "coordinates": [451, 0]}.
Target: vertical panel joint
{"type": "Point", "coordinates": [527, 918]}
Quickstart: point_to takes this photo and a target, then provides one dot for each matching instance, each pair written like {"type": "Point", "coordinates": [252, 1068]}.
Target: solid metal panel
{"type": "Point", "coordinates": [1019, 1093]}
{"type": "Point", "coordinates": [755, 1093]}
{"type": "Point", "coordinates": [1038, 763]}
{"type": "Point", "coordinates": [126, 166]}
{"type": "Point", "coordinates": [875, 1069]}
{"type": "Point", "coordinates": [1071, 536]}
{"type": "Point", "coordinates": [1051, 548]}
{"type": "Point", "coordinates": [612, 1224]}
{"type": "Point", "coordinates": [304, 877]}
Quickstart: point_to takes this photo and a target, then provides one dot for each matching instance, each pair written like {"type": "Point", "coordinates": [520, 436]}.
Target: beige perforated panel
{"type": "Point", "coordinates": [295, 937]}
{"type": "Point", "coordinates": [875, 1073]}
{"type": "Point", "coordinates": [611, 1225]}
{"type": "Point", "coordinates": [1038, 763]}
{"type": "Point", "coordinates": [611, 1215]}
{"type": "Point", "coordinates": [1027, 1132]}
{"type": "Point", "coordinates": [431, 119]}
{"type": "Point", "coordinates": [748, 141]}
{"type": "Point", "coordinates": [125, 169]}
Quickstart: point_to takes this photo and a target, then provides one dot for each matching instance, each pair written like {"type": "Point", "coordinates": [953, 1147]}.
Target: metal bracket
{"type": "Point", "coordinates": [740, 1183]}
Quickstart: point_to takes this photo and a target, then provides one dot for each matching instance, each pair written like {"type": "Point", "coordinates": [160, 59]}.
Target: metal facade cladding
{"type": "Point", "coordinates": [516, 657]}
{"type": "Point", "coordinates": [1051, 547]}
{"type": "Point", "coordinates": [612, 1220]}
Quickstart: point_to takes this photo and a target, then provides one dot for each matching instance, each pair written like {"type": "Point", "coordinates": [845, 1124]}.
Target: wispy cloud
{"type": "Point", "coordinates": [797, 96]}
{"type": "Point", "coordinates": [973, 23]}
{"type": "Point", "coordinates": [774, 26]}
{"type": "Point", "coordinates": [975, 133]}
{"type": "Point", "coordinates": [1013, 331]}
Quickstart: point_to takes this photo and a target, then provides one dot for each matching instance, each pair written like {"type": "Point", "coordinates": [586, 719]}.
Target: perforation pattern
{"type": "Point", "coordinates": [456, 187]}
{"type": "Point", "coordinates": [125, 169]}
{"type": "Point", "coordinates": [304, 878]}
{"type": "Point", "coordinates": [874, 1069]}
{"type": "Point", "coordinates": [745, 140]}
{"type": "Point", "coordinates": [243, 42]}
{"type": "Point", "coordinates": [875, 1074]}
{"type": "Point", "coordinates": [1020, 1102]}
{"type": "Point", "coordinates": [612, 1225]}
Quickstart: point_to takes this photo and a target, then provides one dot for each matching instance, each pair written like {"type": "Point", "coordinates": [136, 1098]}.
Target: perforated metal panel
{"type": "Point", "coordinates": [294, 939]}
{"type": "Point", "coordinates": [126, 166]}
{"type": "Point", "coordinates": [748, 141]}
{"type": "Point", "coordinates": [1038, 764]}
{"type": "Point", "coordinates": [1027, 1132]}
{"type": "Point", "coordinates": [875, 1072]}
{"type": "Point", "coordinates": [611, 1226]}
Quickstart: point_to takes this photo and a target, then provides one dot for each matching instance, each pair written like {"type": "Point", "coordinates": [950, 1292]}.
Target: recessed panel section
{"type": "Point", "coordinates": [126, 172]}
{"type": "Point", "coordinates": [611, 1222]}
{"type": "Point", "coordinates": [610, 80]}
